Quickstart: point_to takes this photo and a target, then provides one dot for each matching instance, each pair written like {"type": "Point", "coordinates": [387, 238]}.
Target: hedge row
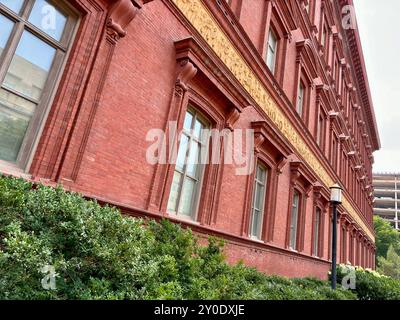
{"type": "Point", "coordinates": [96, 253]}
{"type": "Point", "coordinates": [369, 284]}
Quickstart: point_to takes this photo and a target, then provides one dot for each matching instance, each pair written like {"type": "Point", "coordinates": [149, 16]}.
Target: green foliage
{"type": "Point", "coordinates": [370, 285]}
{"type": "Point", "coordinates": [99, 254]}
{"type": "Point", "coordinates": [386, 236]}
{"type": "Point", "coordinates": [390, 266]}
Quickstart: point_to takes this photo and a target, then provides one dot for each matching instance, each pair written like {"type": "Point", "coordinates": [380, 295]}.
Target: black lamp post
{"type": "Point", "coordinates": [336, 199]}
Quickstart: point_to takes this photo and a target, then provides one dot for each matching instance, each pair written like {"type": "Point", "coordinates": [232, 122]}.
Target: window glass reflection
{"type": "Point", "coordinates": [14, 5]}
{"type": "Point", "coordinates": [30, 66]}
{"type": "Point", "coordinates": [5, 31]}
{"type": "Point", "coordinates": [48, 19]}
{"type": "Point", "coordinates": [15, 114]}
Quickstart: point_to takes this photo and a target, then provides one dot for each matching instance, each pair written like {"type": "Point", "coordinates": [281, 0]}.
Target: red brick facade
{"type": "Point", "coordinates": [135, 65]}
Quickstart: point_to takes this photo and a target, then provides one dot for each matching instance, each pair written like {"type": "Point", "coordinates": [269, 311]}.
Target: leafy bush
{"type": "Point", "coordinates": [99, 254]}
{"type": "Point", "coordinates": [390, 266]}
{"type": "Point", "coordinates": [370, 285]}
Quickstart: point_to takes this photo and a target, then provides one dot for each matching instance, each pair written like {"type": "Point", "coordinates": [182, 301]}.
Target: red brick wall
{"type": "Point", "coordinates": [99, 149]}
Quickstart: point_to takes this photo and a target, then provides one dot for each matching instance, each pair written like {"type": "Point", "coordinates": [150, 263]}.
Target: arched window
{"type": "Point", "coordinates": [189, 167]}
{"type": "Point", "coordinates": [34, 41]}
{"type": "Point", "coordinates": [258, 205]}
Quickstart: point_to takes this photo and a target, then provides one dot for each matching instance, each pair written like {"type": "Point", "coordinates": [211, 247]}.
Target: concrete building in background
{"type": "Point", "coordinates": [81, 101]}
{"type": "Point", "coordinates": [387, 197]}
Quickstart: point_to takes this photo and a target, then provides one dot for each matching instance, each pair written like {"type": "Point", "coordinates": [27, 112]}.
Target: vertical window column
{"type": "Point", "coordinates": [189, 168]}
{"type": "Point", "coordinates": [258, 205]}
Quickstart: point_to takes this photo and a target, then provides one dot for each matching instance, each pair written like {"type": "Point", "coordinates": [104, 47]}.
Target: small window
{"type": "Point", "coordinates": [324, 37]}
{"type": "Point", "coordinates": [257, 210]}
{"type": "Point", "coordinates": [320, 129]}
{"type": "Point", "coordinates": [317, 223]}
{"type": "Point", "coordinates": [272, 47]}
{"type": "Point", "coordinates": [33, 45]}
{"type": "Point", "coordinates": [189, 166]}
{"type": "Point", "coordinates": [307, 6]}
{"type": "Point", "coordinates": [294, 220]}
{"type": "Point", "coordinates": [300, 99]}
{"type": "Point", "coordinates": [344, 244]}
{"type": "Point", "coordinates": [334, 153]}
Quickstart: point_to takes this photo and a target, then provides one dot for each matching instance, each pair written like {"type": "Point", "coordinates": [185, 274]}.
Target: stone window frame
{"type": "Point", "coordinates": [274, 18]}
{"type": "Point", "coordinates": [197, 114]}
{"type": "Point", "coordinates": [63, 48]}
{"type": "Point", "coordinates": [272, 151]}
{"type": "Point", "coordinates": [196, 65]}
{"type": "Point", "coordinates": [321, 202]}
{"type": "Point", "coordinates": [322, 101]}
{"type": "Point", "coordinates": [305, 72]}
{"type": "Point", "coordinates": [302, 180]}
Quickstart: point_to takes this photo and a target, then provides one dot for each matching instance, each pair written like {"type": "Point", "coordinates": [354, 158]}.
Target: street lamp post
{"type": "Point", "coordinates": [336, 199]}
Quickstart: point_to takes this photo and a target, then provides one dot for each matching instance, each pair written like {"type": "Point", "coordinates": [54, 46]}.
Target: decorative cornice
{"type": "Point", "coordinates": [357, 57]}
{"type": "Point", "coordinates": [206, 62]}
{"type": "Point", "coordinates": [120, 14]}
{"type": "Point", "coordinates": [268, 133]}
{"type": "Point", "coordinates": [186, 73]}
{"type": "Point", "coordinates": [298, 170]}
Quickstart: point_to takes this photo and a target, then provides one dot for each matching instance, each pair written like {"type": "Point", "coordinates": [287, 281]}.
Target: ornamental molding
{"type": "Point", "coordinates": [120, 14]}
{"type": "Point", "coordinates": [207, 27]}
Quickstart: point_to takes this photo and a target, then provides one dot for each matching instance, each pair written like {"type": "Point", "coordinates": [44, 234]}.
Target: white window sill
{"type": "Point", "coordinates": [255, 239]}
{"type": "Point", "coordinates": [183, 218]}
{"type": "Point", "coordinates": [11, 169]}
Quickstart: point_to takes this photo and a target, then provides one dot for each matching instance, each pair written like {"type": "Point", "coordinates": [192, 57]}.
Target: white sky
{"type": "Point", "coordinates": [378, 22]}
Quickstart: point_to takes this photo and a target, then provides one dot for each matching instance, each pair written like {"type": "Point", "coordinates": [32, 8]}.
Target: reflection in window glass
{"type": "Point", "coordinates": [294, 221]}
{"type": "Point", "coordinates": [271, 50]}
{"type": "Point", "coordinates": [180, 161]}
{"type": "Point", "coordinates": [258, 202]}
{"type": "Point", "coordinates": [48, 19]}
{"type": "Point", "coordinates": [14, 5]}
{"type": "Point", "coordinates": [194, 159]}
{"type": "Point", "coordinates": [15, 114]}
{"type": "Point", "coordinates": [187, 124]}
{"type": "Point", "coordinates": [5, 31]}
{"type": "Point", "coordinates": [174, 194]}
{"type": "Point", "coordinates": [187, 197]}
{"type": "Point", "coordinates": [30, 66]}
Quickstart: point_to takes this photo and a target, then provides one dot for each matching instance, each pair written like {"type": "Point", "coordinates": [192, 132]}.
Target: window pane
{"type": "Point", "coordinates": [260, 174]}
{"type": "Point", "coordinates": [259, 197]}
{"type": "Point", "coordinates": [187, 197]}
{"type": "Point", "coordinates": [5, 31]}
{"type": "Point", "coordinates": [15, 114]}
{"type": "Point", "coordinates": [198, 129]}
{"type": "Point", "coordinates": [272, 41]}
{"type": "Point", "coordinates": [180, 161]}
{"type": "Point", "coordinates": [48, 19]}
{"type": "Point", "coordinates": [293, 222]}
{"type": "Point", "coordinates": [187, 124]}
{"type": "Point", "coordinates": [193, 159]}
{"type": "Point", "coordinates": [300, 99]}
{"type": "Point", "coordinates": [14, 5]}
{"type": "Point", "coordinates": [30, 66]}
{"type": "Point", "coordinates": [270, 60]}
{"type": "Point", "coordinates": [271, 51]}
{"type": "Point", "coordinates": [316, 231]}
{"type": "Point", "coordinates": [173, 196]}
{"type": "Point", "coordinates": [256, 224]}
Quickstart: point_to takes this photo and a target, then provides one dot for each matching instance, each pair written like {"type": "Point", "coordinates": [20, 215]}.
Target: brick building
{"type": "Point", "coordinates": [84, 81]}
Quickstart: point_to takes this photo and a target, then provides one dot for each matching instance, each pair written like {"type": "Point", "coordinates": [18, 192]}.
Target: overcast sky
{"type": "Point", "coordinates": [378, 22]}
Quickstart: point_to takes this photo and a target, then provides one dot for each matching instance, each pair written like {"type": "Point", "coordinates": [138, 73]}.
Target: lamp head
{"type": "Point", "coordinates": [336, 194]}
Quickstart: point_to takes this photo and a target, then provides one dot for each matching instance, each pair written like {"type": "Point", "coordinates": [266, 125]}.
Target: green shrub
{"type": "Point", "coordinates": [99, 254]}
{"type": "Point", "coordinates": [370, 285]}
